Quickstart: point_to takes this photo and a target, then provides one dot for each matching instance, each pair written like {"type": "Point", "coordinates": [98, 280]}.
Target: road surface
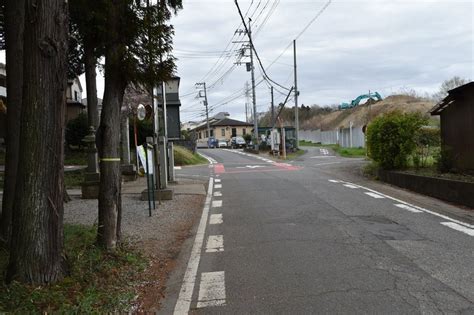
{"type": "Point", "coordinates": [312, 236]}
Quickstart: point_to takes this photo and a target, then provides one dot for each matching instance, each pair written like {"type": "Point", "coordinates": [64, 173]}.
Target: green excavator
{"type": "Point", "coordinates": [355, 102]}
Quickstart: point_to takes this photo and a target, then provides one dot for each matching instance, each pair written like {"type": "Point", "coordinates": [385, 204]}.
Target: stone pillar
{"type": "Point", "coordinates": [128, 170]}
{"type": "Point", "coordinates": [90, 186]}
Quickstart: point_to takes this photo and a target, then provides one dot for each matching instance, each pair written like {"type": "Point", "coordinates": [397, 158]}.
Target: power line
{"type": "Point", "coordinates": [252, 46]}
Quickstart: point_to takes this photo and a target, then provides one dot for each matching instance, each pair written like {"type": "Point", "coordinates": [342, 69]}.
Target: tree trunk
{"type": "Point", "coordinates": [37, 239]}
{"type": "Point", "coordinates": [14, 20]}
{"type": "Point", "coordinates": [90, 62]}
{"type": "Point", "coordinates": [108, 135]}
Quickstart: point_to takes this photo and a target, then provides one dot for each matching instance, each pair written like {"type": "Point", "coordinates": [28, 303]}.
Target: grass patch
{"type": "Point", "coordinates": [183, 156]}
{"type": "Point", "coordinates": [294, 155]}
{"type": "Point", "coordinates": [98, 281]}
{"type": "Point", "coordinates": [304, 143]}
{"type": "Point", "coordinates": [350, 152]}
{"type": "Point", "coordinates": [75, 157]}
{"type": "Point", "coordinates": [74, 179]}
{"type": "Point", "coordinates": [345, 152]}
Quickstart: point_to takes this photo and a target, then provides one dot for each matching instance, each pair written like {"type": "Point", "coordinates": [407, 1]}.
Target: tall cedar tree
{"type": "Point", "coordinates": [137, 50]}
{"type": "Point", "coordinates": [14, 26]}
{"type": "Point", "coordinates": [37, 231]}
{"type": "Point", "coordinates": [87, 19]}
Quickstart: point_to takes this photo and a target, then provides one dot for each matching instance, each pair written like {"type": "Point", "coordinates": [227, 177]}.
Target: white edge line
{"type": "Point", "coordinates": [416, 207]}
{"type": "Point", "coordinates": [211, 160]}
{"type": "Point", "coordinates": [459, 228]}
{"type": "Point", "coordinates": [185, 294]}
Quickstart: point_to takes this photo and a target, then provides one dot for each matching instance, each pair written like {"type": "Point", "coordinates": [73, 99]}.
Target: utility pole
{"type": "Point", "coordinates": [297, 120]}
{"type": "Point", "coordinates": [252, 68]}
{"type": "Point", "coordinates": [247, 102]}
{"type": "Point", "coordinates": [273, 107]}
{"type": "Point", "coordinates": [203, 84]}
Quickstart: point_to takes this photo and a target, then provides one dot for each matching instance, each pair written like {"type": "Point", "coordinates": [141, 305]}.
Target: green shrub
{"type": "Point", "coordinates": [144, 129]}
{"type": "Point", "coordinates": [76, 130]}
{"type": "Point", "coordinates": [445, 159]}
{"type": "Point", "coordinates": [427, 140]}
{"type": "Point", "coordinates": [391, 138]}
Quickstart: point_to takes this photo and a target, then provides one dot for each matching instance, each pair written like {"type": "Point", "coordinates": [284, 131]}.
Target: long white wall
{"type": "Point", "coordinates": [341, 136]}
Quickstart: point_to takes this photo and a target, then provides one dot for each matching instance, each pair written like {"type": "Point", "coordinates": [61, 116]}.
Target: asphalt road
{"type": "Point", "coordinates": [313, 236]}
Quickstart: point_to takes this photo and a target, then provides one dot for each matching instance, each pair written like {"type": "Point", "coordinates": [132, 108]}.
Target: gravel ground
{"type": "Point", "coordinates": [136, 222]}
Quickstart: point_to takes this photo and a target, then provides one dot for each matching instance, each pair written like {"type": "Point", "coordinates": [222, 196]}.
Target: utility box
{"type": "Point", "coordinates": [275, 140]}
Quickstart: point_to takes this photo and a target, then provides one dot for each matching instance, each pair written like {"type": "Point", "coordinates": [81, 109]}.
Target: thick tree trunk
{"type": "Point", "coordinates": [37, 237]}
{"type": "Point", "coordinates": [90, 62]}
{"type": "Point", "coordinates": [14, 20]}
{"type": "Point", "coordinates": [108, 136]}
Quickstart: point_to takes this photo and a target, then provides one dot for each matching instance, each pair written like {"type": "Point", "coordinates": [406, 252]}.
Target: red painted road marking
{"type": "Point", "coordinates": [219, 168]}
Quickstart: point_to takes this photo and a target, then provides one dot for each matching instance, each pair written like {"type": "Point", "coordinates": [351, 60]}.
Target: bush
{"type": "Point", "coordinates": [76, 130]}
{"type": "Point", "coordinates": [427, 140]}
{"type": "Point", "coordinates": [144, 129]}
{"type": "Point", "coordinates": [391, 138]}
{"type": "Point", "coordinates": [445, 159]}
{"type": "Point", "coordinates": [247, 137]}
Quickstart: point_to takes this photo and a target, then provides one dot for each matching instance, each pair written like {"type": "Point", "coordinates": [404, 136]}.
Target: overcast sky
{"type": "Point", "coordinates": [351, 48]}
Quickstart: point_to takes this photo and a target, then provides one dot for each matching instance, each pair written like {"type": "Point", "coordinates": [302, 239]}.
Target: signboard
{"type": "Point", "coordinates": [143, 159]}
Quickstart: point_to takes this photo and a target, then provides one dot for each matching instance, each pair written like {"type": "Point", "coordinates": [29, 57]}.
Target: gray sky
{"type": "Point", "coordinates": [353, 47]}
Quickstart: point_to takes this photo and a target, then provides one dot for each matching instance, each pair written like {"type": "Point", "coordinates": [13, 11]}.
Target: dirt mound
{"type": "Point", "coordinates": [362, 114]}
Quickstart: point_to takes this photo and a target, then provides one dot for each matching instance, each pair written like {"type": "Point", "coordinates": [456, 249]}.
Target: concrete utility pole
{"type": "Point", "coordinates": [273, 107]}
{"type": "Point", "coordinates": [247, 103]}
{"type": "Point", "coordinates": [254, 101]}
{"type": "Point", "coordinates": [297, 120]}
{"type": "Point", "coordinates": [203, 84]}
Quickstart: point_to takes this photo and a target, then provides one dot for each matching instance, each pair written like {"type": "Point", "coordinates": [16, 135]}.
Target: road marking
{"type": "Point", "coordinates": [185, 294]}
{"type": "Point", "coordinates": [217, 194]}
{"type": "Point", "coordinates": [329, 163]}
{"type": "Point", "coordinates": [411, 209]}
{"type": "Point", "coordinates": [374, 195]}
{"type": "Point", "coordinates": [211, 160]}
{"type": "Point", "coordinates": [322, 156]}
{"type": "Point", "coordinates": [216, 219]}
{"type": "Point", "coordinates": [217, 203]}
{"type": "Point", "coordinates": [215, 243]}
{"type": "Point", "coordinates": [445, 217]}
{"type": "Point", "coordinates": [212, 289]}
{"type": "Point", "coordinates": [218, 186]}
{"type": "Point", "coordinates": [350, 186]}
{"type": "Point", "coordinates": [177, 167]}
{"type": "Point", "coordinates": [250, 166]}
{"type": "Point", "coordinates": [217, 180]}
{"type": "Point", "coordinates": [459, 228]}
{"type": "Point", "coordinates": [333, 181]}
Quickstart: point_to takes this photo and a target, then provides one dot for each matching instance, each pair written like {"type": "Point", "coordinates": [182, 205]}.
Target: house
{"type": "Point", "coordinates": [224, 128]}
{"type": "Point", "coordinates": [457, 125]}
{"type": "Point", "coordinates": [99, 104]}
{"type": "Point", "coordinates": [74, 104]}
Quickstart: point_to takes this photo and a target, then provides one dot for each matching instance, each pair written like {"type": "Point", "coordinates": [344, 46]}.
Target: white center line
{"type": "Point", "coordinates": [333, 181]}
{"type": "Point", "coordinates": [185, 294]}
{"type": "Point", "coordinates": [217, 203]}
{"type": "Point", "coordinates": [374, 195]}
{"type": "Point", "coordinates": [215, 243]}
{"type": "Point", "coordinates": [217, 194]}
{"type": "Point", "coordinates": [411, 209]}
{"type": "Point", "coordinates": [212, 289]}
{"type": "Point", "coordinates": [459, 228]}
{"type": "Point", "coordinates": [216, 219]}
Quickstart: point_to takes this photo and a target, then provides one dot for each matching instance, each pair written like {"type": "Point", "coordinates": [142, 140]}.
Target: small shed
{"type": "Point", "coordinates": [457, 125]}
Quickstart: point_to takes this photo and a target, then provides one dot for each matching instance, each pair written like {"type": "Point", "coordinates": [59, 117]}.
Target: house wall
{"type": "Point", "coordinates": [457, 130]}
{"type": "Point", "coordinates": [73, 111]}
{"type": "Point", "coordinates": [217, 133]}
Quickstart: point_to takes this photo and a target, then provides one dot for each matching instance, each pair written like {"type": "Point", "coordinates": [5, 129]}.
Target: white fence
{"type": "Point", "coordinates": [345, 137]}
